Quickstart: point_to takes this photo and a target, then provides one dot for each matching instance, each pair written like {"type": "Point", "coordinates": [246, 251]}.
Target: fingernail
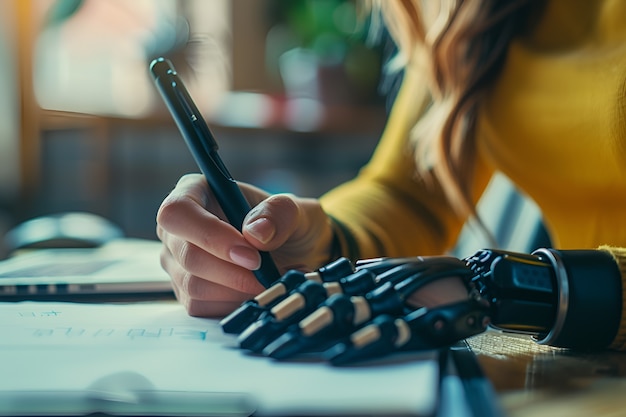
{"type": "Point", "coordinates": [261, 229]}
{"type": "Point", "coordinates": [245, 257]}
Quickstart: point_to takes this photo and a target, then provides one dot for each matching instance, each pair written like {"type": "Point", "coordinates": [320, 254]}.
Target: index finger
{"type": "Point", "coordinates": [183, 214]}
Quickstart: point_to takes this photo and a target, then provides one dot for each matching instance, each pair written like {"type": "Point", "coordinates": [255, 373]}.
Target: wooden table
{"type": "Point", "coordinates": [534, 380]}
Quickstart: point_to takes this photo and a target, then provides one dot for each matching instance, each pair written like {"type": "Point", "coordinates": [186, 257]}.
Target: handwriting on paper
{"type": "Point", "coordinates": [38, 323]}
{"type": "Point", "coordinates": [131, 333]}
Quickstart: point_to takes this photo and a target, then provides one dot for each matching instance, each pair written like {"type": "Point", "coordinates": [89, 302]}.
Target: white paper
{"type": "Point", "coordinates": [118, 352]}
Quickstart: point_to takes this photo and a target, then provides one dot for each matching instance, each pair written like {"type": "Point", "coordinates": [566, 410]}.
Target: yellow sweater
{"type": "Point", "coordinates": [554, 123]}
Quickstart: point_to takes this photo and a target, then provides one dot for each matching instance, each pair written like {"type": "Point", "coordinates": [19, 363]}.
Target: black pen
{"type": "Point", "coordinates": [203, 147]}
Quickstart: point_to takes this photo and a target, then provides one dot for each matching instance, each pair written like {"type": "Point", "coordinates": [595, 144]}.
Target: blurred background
{"type": "Point", "coordinates": [291, 88]}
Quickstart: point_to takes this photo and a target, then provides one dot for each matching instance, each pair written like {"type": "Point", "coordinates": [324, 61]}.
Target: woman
{"type": "Point", "coordinates": [536, 90]}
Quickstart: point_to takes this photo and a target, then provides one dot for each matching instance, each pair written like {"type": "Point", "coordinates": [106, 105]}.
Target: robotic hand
{"type": "Point", "coordinates": [349, 312]}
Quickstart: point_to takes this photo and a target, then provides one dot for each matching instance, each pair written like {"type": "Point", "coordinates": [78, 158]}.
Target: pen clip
{"type": "Point", "coordinates": [194, 117]}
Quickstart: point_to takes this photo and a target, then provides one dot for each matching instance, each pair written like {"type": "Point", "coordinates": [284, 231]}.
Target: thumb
{"type": "Point", "coordinates": [272, 222]}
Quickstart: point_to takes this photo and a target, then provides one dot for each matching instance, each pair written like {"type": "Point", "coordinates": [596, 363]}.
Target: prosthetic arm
{"type": "Point", "coordinates": [347, 312]}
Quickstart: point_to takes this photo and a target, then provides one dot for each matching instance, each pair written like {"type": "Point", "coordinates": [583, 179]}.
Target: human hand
{"type": "Point", "coordinates": [211, 263]}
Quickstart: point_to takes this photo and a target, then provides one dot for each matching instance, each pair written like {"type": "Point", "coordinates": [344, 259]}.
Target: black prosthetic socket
{"type": "Point", "coordinates": [589, 305]}
{"type": "Point", "coordinates": [565, 298]}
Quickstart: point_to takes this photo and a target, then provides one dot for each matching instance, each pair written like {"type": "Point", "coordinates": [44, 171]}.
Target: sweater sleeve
{"type": "Point", "coordinates": [388, 210]}
{"type": "Point", "coordinates": [619, 255]}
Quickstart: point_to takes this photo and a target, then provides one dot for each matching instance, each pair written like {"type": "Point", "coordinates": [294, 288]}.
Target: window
{"type": "Point", "coordinates": [92, 56]}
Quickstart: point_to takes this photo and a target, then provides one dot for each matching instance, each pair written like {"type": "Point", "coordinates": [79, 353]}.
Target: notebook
{"type": "Point", "coordinates": [121, 268]}
{"type": "Point", "coordinates": [153, 359]}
